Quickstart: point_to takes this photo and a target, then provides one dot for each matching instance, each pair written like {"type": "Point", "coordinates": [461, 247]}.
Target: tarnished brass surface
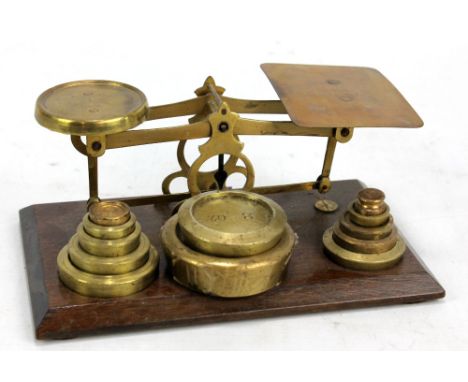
{"type": "Point", "coordinates": [366, 220]}
{"type": "Point", "coordinates": [364, 245]}
{"type": "Point", "coordinates": [109, 213]}
{"type": "Point", "coordinates": [371, 197]}
{"type": "Point", "coordinates": [109, 247]}
{"type": "Point", "coordinates": [106, 265]}
{"type": "Point", "coordinates": [108, 260]}
{"type": "Point", "coordinates": [326, 205]}
{"type": "Point", "coordinates": [91, 107]}
{"type": "Point", "coordinates": [222, 141]}
{"type": "Point", "coordinates": [366, 233]}
{"type": "Point", "coordinates": [231, 223]}
{"type": "Point", "coordinates": [328, 101]}
{"type": "Point", "coordinates": [362, 238]}
{"type": "Point", "coordinates": [223, 276]}
{"type": "Point", "coordinates": [370, 202]}
{"type": "Point", "coordinates": [97, 285]}
{"type": "Point", "coordinates": [340, 96]}
{"type": "Point", "coordinates": [109, 232]}
{"type": "Point", "coordinates": [361, 261]}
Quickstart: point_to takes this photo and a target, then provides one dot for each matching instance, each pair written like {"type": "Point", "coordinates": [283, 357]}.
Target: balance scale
{"type": "Point", "coordinates": [216, 254]}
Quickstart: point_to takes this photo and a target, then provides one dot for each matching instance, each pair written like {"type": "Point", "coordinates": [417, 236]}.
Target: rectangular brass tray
{"type": "Point", "coordinates": [313, 282]}
{"type": "Point", "coordinates": [340, 96]}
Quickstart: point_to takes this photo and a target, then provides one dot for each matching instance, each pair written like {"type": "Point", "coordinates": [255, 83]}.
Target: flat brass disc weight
{"type": "Point", "coordinates": [231, 223]}
{"type": "Point", "coordinates": [226, 276]}
{"type": "Point", "coordinates": [91, 107]}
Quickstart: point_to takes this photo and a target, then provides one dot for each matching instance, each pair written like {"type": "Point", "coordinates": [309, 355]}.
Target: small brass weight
{"type": "Point", "coordinates": [364, 237]}
{"type": "Point", "coordinates": [222, 242]}
{"type": "Point", "coordinates": [109, 256]}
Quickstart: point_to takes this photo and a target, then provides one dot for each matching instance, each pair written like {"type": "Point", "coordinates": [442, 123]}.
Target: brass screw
{"type": "Point", "coordinates": [96, 146]}
{"type": "Point", "coordinates": [223, 127]}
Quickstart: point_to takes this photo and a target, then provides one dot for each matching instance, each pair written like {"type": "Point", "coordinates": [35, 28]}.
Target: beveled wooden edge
{"type": "Point", "coordinates": [43, 315]}
{"type": "Point", "coordinates": [53, 316]}
{"type": "Point", "coordinates": [34, 268]}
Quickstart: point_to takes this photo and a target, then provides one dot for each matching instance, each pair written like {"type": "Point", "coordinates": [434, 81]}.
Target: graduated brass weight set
{"type": "Point", "coordinates": [222, 242]}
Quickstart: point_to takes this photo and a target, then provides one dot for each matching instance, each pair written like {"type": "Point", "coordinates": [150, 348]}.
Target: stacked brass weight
{"type": "Point", "coordinates": [365, 237]}
{"type": "Point", "coordinates": [228, 243]}
{"type": "Point", "coordinates": [109, 256]}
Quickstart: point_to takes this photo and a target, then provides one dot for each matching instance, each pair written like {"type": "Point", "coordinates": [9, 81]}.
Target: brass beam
{"type": "Point", "coordinates": [155, 199]}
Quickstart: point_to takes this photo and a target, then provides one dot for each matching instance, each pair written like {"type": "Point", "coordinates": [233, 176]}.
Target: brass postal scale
{"type": "Point", "coordinates": [213, 253]}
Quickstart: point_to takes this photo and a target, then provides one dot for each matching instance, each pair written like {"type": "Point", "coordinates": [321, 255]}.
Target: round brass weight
{"type": "Point", "coordinates": [109, 232]}
{"type": "Point", "coordinates": [96, 285]}
{"type": "Point", "coordinates": [362, 261]}
{"type": "Point", "coordinates": [109, 213]}
{"type": "Point", "coordinates": [109, 256]}
{"type": "Point", "coordinates": [231, 223]}
{"type": "Point", "coordinates": [91, 107]}
{"type": "Point", "coordinates": [226, 276]}
{"type": "Point", "coordinates": [105, 265]}
{"type": "Point", "coordinates": [228, 243]}
{"type": "Point", "coordinates": [364, 238]}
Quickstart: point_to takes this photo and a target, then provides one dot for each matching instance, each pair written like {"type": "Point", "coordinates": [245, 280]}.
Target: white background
{"type": "Point", "coordinates": [167, 49]}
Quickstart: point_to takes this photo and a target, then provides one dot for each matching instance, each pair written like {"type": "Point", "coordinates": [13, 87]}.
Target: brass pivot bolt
{"type": "Point", "coordinates": [365, 238]}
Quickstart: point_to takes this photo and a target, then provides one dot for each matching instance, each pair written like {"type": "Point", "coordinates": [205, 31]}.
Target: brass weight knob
{"type": "Point", "coordinates": [365, 237]}
{"type": "Point", "coordinates": [228, 243]}
{"type": "Point", "coordinates": [109, 256]}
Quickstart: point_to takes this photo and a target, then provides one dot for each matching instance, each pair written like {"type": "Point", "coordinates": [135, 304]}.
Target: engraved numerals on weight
{"type": "Point", "coordinates": [247, 215]}
{"type": "Point", "coordinates": [218, 218]}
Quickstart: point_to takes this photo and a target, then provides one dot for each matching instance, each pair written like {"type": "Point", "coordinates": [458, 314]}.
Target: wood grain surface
{"type": "Point", "coordinates": [313, 283]}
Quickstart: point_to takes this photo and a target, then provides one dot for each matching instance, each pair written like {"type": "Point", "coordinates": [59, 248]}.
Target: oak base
{"type": "Point", "coordinates": [313, 282]}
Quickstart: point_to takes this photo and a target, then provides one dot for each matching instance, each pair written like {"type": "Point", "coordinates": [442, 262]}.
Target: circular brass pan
{"type": "Point", "coordinates": [91, 107]}
{"type": "Point", "coordinates": [368, 221]}
{"type": "Point", "coordinates": [365, 233]}
{"type": "Point", "coordinates": [359, 261]}
{"type": "Point", "coordinates": [109, 213]}
{"type": "Point", "coordinates": [106, 285]}
{"type": "Point", "coordinates": [105, 265]}
{"type": "Point", "coordinates": [223, 276]}
{"type": "Point", "coordinates": [109, 232]}
{"type": "Point", "coordinates": [231, 223]}
{"type": "Point", "coordinates": [364, 246]}
{"type": "Point", "coordinates": [103, 247]}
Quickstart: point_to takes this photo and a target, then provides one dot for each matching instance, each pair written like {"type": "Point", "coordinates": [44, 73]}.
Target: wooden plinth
{"type": "Point", "coordinates": [313, 283]}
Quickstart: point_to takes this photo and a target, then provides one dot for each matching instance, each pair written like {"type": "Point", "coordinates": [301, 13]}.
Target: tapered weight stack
{"type": "Point", "coordinates": [228, 243]}
{"type": "Point", "coordinates": [109, 256]}
{"type": "Point", "coordinates": [365, 237]}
